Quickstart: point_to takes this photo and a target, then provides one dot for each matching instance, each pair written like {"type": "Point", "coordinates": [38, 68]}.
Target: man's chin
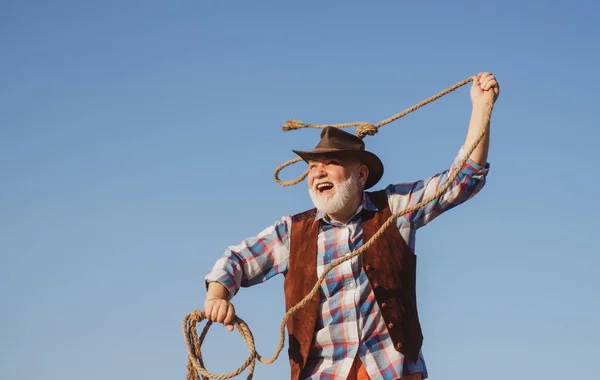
{"type": "Point", "coordinates": [326, 207]}
{"type": "Point", "coordinates": [324, 197]}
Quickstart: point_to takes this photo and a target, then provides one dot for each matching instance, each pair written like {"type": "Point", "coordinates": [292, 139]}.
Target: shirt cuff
{"type": "Point", "coordinates": [471, 167]}
{"type": "Point", "coordinates": [224, 278]}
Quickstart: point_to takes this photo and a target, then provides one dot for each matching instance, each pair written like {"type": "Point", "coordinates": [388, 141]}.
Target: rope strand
{"type": "Point", "coordinates": [364, 128]}
{"type": "Point", "coordinates": [193, 343]}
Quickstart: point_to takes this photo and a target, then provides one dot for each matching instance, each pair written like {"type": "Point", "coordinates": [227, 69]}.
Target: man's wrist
{"type": "Point", "coordinates": [216, 290]}
{"type": "Point", "coordinates": [215, 299]}
{"type": "Point", "coordinates": [482, 103]}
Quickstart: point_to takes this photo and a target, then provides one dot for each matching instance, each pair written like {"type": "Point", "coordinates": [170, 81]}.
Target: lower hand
{"type": "Point", "coordinates": [221, 311]}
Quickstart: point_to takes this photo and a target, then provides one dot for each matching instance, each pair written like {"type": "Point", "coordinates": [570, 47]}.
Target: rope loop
{"type": "Point", "coordinates": [193, 343]}
{"type": "Point", "coordinates": [283, 166]}
{"type": "Point", "coordinates": [363, 129]}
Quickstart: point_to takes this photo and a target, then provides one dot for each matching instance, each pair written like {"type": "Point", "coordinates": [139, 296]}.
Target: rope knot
{"type": "Point", "coordinates": [366, 129]}
{"type": "Point", "coordinates": [293, 124]}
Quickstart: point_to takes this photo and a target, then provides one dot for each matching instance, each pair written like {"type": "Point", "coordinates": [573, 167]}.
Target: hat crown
{"type": "Point", "coordinates": [335, 138]}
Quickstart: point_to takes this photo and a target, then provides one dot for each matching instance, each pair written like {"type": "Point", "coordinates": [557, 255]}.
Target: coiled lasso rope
{"type": "Point", "coordinates": [193, 341]}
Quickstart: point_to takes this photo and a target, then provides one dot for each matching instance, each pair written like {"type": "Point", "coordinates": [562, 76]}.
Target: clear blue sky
{"type": "Point", "coordinates": [139, 138]}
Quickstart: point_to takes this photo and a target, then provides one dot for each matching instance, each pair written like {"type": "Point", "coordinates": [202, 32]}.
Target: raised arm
{"type": "Point", "coordinates": [484, 85]}
{"type": "Point", "coordinates": [472, 174]}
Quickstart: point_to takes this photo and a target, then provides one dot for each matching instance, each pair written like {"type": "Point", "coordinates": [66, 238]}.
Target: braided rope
{"type": "Point", "coordinates": [363, 129]}
{"type": "Point", "coordinates": [193, 342]}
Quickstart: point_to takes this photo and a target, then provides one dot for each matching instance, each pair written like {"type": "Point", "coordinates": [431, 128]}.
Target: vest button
{"type": "Point", "coordinates": [391, 326]}
{"type": "Point", "coordinates": [375, 285]}
{"type": "Point", "coordinates": [383, 305]}
{"type": "Point", "coordinates": [368, 267]}
{"type": "Point", "coordinates": [398, 346]}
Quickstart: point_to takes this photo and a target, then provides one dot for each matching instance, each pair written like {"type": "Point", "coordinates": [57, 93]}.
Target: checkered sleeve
{"type": "Point", "coordinates": [254, 260]}
{"type": "Point", "coordinates": [467, 184]}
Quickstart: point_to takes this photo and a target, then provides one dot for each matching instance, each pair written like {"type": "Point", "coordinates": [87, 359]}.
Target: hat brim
{"type": "Point", "coordinates": [369, 159]}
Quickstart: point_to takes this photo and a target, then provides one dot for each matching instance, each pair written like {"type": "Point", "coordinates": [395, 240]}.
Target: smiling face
{"type": "Point", "coordinates": [335, 183]}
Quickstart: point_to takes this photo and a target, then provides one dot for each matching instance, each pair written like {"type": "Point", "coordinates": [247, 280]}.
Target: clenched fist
{"type": "Point", "coordinates": [483, 84]}
{"type": "Point", "coordinates": [220, 310]}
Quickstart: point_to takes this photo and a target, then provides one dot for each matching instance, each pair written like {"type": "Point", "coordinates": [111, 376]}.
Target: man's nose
{"type": "Point", "coordinates": [321, 173]}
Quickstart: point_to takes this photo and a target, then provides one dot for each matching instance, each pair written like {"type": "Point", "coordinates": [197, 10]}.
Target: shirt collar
{"type": "Point", "coordinates": [366, 204]}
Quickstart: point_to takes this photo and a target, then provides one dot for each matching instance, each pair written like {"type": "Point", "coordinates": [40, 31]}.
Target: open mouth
{"type": "Point", "coordinates": [324, 187]}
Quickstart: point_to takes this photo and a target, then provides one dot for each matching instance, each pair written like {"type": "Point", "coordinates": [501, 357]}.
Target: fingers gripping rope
{"type": "Point", "coordinates": [194, 342]}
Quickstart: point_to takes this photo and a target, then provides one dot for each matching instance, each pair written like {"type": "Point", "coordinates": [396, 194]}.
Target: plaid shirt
{"type": "Point", "coordinates": [350, 323]}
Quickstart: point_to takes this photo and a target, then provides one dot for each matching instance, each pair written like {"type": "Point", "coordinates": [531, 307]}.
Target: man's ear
{"type": "Point", "coordinates": [363, 174]}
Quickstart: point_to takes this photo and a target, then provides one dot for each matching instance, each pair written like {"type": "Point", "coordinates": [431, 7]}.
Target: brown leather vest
{"type": "Point", "coordinates": [389, 265]}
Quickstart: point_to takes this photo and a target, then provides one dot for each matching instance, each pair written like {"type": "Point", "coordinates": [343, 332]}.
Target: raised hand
{"type": "Point", "coordinates": [483, 84]}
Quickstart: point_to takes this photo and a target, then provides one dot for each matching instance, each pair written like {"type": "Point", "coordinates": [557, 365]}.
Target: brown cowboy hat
{"type": "Point", "coordinates": [336, 141]}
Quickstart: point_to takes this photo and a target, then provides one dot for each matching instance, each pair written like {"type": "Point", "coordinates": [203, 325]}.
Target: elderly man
{"type": "Point", "coordinates": [363, 323]}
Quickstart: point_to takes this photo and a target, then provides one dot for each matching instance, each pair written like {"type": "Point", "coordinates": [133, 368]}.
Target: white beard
{"type": "Point", "coordinates": [343, 192]}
